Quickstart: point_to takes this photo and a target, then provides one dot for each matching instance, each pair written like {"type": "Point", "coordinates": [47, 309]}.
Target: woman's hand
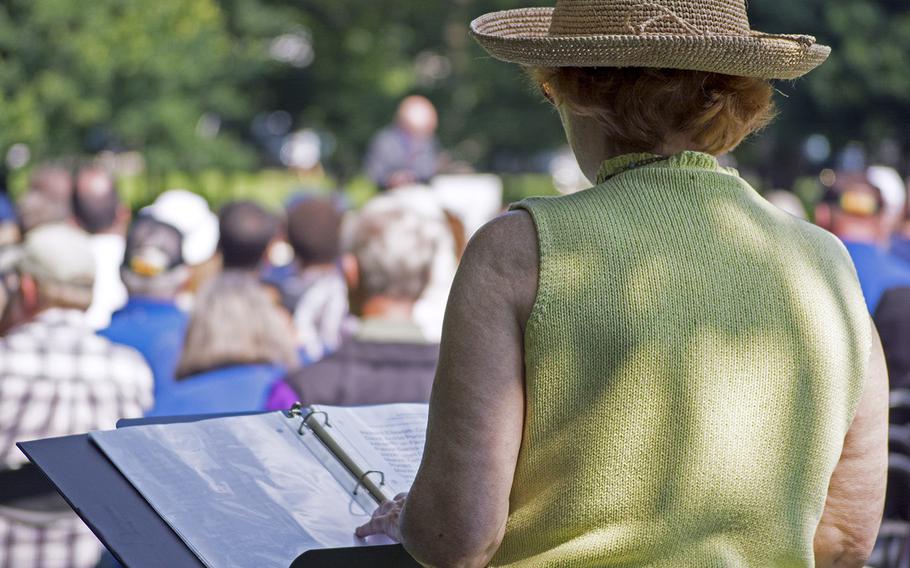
{"type": "Point", "coordinates": [386, 520]}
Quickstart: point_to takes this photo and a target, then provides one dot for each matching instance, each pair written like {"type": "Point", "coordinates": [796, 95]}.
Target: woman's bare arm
{"type": "Point", "coordinates": [856, 494]}
{"type": "Point", "coordinates": [456, 512]}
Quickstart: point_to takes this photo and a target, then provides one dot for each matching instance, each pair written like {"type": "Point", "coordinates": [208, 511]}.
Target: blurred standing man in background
{"type": "Point", "coordinates": [58, 378]}
{"type": "Point", "coordinates": [98, 209]}
{"type": "Point", "coordinates": [854, 210]}
{"type": "Point", "coordinates": [406, 152]}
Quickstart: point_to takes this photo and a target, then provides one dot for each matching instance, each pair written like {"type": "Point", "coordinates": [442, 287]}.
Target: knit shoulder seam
{"type": "Point", "coordinates": [532, 207]}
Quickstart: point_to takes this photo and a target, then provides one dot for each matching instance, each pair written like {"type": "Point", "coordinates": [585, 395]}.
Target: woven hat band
{"type": "Point", "coordinates": [656, 17]}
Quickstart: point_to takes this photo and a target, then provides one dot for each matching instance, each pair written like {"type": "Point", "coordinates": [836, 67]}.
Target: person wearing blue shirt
{"type": "Point", "coordinates": [239, 343]}
{"type": "Point", "coordinates": [852, 209]}
{"type": "Point", "coordinates": [154, 273]}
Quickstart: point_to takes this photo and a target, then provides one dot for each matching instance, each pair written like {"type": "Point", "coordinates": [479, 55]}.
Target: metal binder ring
{"type": "Point", "coordinates": [360, 481]}
{"type": "Point", "coordinates": [307, 417]}
{"type": "Point", "coordinates": [296, 409]}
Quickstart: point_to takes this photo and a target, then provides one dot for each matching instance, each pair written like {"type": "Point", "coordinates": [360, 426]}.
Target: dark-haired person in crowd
{"type": "Point", "coordinates": [154, 274]}
{"type": "Point", "coordinates": [48, 199]}
{"type": "Point", "coordinates": [389, 251]}
{"type": "Point", "coordinates": [58, 378]}
{"type": "Point", "coordinates": [238, 345]}
{"type": "Point", "coordinates": [406, 152]}
{"type": "Point", "coordinates": [98, 210]}
{"type": "Point", "coordinates": [246, 231]}
{"type": "Point", "coordinates": [316, 293]}
{"type": "Point", "coordinates": [853, 209]}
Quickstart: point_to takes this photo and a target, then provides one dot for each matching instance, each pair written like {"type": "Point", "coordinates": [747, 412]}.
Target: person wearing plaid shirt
{"type": "Point", "coordinates": [58, 378]}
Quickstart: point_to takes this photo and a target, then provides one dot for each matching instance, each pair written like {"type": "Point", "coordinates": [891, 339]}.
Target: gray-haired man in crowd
{"type": "Point", "coordinates": [58, 378]}
{"type": "Point", "coordinates": [389, 247]}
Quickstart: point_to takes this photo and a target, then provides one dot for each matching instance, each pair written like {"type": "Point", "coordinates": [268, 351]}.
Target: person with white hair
{"type": "Point", "coordinates": [389, 249]}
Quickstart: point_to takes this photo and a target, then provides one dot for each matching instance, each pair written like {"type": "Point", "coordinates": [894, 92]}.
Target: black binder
{"type": "Point", "coordinates": [131, 529]}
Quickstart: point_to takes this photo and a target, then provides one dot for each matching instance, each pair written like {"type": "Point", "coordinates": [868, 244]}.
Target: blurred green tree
{"type": "Point", "coordinates": [161, 77]}
{"type": "Point", "coordinates": [183, 80]}
{"type": "Point", "coordinates": [862, 93]}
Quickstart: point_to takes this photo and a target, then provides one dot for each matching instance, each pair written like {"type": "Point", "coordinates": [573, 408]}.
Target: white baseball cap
{"type": "Point", "coordinates": [190, 214]}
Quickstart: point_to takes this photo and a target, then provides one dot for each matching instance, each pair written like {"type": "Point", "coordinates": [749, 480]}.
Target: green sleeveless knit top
{"type": "Point", "coordinates": [693, 361]}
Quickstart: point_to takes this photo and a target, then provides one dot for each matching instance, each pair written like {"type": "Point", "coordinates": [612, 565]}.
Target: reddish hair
{"type": "Point", "coordinates": [641, 108]}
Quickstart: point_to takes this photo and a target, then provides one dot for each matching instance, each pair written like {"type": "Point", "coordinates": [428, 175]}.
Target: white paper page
{"type": "Point", "coordinates": [240, 491]}
{"type": "Point", "coordinates": [387, 438]}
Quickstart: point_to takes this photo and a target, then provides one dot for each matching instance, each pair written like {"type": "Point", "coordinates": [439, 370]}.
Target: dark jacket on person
{"type": "Point", "coordinates": [383, 363]}
{"type": "Point", "coordinates": [892, 318]}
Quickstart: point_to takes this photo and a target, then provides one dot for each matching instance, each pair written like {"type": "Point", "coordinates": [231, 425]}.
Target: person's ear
{"type": "Point", "coordinates": [30, 296]}
{"type": "Point", "coordinates": [824, 216]}
{"type": "Point", "coordinates": [351, 271]}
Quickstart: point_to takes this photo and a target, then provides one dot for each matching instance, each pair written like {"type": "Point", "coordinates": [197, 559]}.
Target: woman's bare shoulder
{"type": "Point", "coordinates": [504, 253]}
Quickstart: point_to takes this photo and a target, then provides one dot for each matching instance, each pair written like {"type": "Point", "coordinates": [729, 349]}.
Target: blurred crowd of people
{"type": "Point", "coordinates": [173, 309]}
{"type": "Point", "coordinates": [108, 313]}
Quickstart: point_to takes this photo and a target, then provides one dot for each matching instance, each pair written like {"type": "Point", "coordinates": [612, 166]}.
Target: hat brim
{"type": "Point", "coordinates": [522, 36]}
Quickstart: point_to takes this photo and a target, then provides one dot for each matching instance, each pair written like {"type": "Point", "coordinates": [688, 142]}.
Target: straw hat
{"type": "Point", "coordinates": [700, 35]}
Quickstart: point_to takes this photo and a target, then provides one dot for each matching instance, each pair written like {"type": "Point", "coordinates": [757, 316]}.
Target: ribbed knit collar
{"type": "Point", "coordinates": [692, 160]}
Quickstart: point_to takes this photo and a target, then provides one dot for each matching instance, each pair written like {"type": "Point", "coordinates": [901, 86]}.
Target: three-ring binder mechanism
{"type": "Point", "coordinates": [318, 423]}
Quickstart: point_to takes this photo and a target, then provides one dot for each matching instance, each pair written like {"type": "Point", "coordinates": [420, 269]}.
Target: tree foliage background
{"type": "Point", "coordinates": [79, 77]}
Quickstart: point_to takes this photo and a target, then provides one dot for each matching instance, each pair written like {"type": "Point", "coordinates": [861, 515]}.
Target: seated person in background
{"type": "Point", "coordinates": [58, 378]}
{"type": "Point", "coordinates": [154, 273]}
{"type": "Point", "coordinates": [246, 231]}
{"type": "Point", "coordinates": [98, 210]}
{"type": "Point", "coordinates": [853, 209]}
{"type": "Point", "coordinates": [317, 294]}
{"type": "Point", "coordinates": [389, 251]}
{"type": "Point", "coordinates": [238, 345]}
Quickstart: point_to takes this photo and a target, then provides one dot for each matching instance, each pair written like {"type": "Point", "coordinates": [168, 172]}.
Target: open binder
{"type": "Point", "coordinates": [274, 489]}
